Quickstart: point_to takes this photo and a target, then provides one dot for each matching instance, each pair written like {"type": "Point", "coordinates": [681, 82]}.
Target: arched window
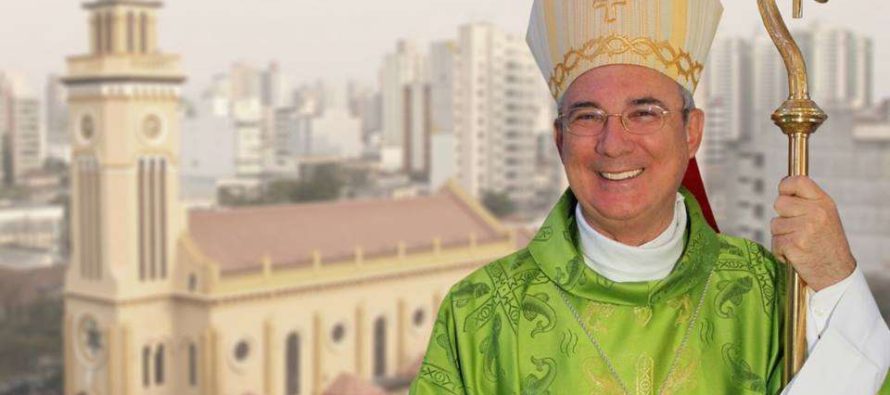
{"type": "Point", "coordinates": [292, 362]}
{"type": "Point", "coordinates": [193, 364]}
{"type": "Point", "coordinates": [159, 365]}
{"type": "Point", "coordinates": [146, 366]}
{"type": "Point", "coordinates": [380, 347]}
{"type": "Point", "coordinates": [131, 32]}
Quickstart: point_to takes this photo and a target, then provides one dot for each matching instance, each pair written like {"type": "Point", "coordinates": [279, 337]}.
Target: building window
{"type": "Point", "coordinates": [193, 365]}
{"type": "Point", "coordinates": [131, 32]}
{"type": "Point", "coordinates": [380, 347]}
{"type": "Point", "coordinates": [242, 351]}
{"type": "Point", "coordinates": [152, 226]}
{"type": "Point", "coordinates": [292, 362]}
{"type": "Point", "coordinates": [89, 239]}
{"type": "Point", "coordinates": [146, 366]}
{"type": "Point", "coordinates": [143, 33]}
{"type": "Point", "coordinates": [159, 365]}
{"type": "Point", "coordinates": [97, 33]}
{"type": "Point", "coordinates": [419, 317]}
{"type": "Point", "coordinates": [338, 333]}
{"type": "Point", "coordinates": [109, 33]}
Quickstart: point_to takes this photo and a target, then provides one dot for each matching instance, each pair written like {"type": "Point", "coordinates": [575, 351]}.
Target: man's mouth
{"type": "Point", "coordinates": [620, 176]}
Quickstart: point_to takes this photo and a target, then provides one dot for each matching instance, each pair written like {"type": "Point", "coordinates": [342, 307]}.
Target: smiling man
{"type": "Point", "coordinates": [626, 288]}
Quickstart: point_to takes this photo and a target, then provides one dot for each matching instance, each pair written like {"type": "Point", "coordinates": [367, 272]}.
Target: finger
{"type": "Point", "coordinates": [800, 186]}
{"type": "Point", "coordinates": [786, 247]}
{"type": "Point", "coordinates": [782, 226]}
{"type": "Point", "coordinates": [777, 247]}
{"type": "Point", "coordinates": [791, 206]}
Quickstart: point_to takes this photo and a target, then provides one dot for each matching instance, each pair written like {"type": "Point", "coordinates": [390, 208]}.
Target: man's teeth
{"type": "Point", "coordinates": [621, 176]}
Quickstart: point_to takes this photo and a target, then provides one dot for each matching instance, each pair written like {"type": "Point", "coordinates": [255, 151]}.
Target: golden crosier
{"type": "Point", "coordinates": [798, 117]}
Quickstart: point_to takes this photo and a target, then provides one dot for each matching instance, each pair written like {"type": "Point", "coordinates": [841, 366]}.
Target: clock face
{"type": "Point", "coordinates": [87, 128]}
{"type": "Point", "coordinates": [151, 127]}
{"type": "Point", "coordinates": [90, 338]}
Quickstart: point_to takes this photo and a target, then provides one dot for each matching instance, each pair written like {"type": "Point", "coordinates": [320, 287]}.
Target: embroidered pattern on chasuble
{"type": "Point", "coordinates": [505, 329]}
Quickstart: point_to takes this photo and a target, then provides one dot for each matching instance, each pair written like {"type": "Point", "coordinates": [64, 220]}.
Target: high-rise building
{"type": "Point", "coordinates": [20, 129]}
{"type": "Point", "coordinates": [57, 139]}
{"type": "Point", "coordinates": [401, 68]}
{"type": "Point", "coordinates": [723, 93]}
{"type": "Point", "coordinates": [841, 67]}
{"type": "Point", "coordinates": [498, 97]}
{"type": "Point", "coordinates": [247, 115]}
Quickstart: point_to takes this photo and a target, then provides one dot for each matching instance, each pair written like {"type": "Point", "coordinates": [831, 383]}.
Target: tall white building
{"type": "Point", "coordinates": [400, 69]}
{"type": "Point", "coordinates": [498, 96]}
{"type": "Point", "coordinates": [443, 150]}
{"type": "Point", "coordinates": [841, 67]}
{"type": "Point", "coordinates": [20, 129]}
{"type": "Point", "coordinates": [56, 125]}
{"type": "Point", "coordinates": [249, 149]}
{"type": "Point", "coordinates": [725, 96]}
{"type": "Point", "coordinates": [847, 165]}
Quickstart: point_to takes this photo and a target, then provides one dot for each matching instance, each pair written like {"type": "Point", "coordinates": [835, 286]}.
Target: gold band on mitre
{"type": "Point", "coordinates": [570, 37]}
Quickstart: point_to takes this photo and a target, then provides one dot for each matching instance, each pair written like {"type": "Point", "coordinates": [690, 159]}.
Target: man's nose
{"type": "Point", "coordinates": [614, 141]}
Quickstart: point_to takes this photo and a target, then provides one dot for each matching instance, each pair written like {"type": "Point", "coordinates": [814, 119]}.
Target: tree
{"type": "Point", "coordinates": [499, 203]}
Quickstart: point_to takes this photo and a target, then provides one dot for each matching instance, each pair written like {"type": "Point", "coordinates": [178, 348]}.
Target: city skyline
{"type": "Point", "coordinates": [269, 31]}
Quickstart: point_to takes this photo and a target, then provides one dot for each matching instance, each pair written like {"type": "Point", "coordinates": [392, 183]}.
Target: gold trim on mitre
{"type": "Point", "coordinates": [570, 37]}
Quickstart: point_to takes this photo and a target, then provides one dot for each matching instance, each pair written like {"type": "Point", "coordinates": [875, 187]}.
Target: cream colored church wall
{"type": "Point", "coordinates": [118, 144]}
{"type": "Point", "coordinates": [266, 323]}
{"type": "Point", "coordinates": [126, 330]}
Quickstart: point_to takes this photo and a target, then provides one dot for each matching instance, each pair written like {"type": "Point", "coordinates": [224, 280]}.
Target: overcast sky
{"type": "Point", "coordinates": [339, 39]}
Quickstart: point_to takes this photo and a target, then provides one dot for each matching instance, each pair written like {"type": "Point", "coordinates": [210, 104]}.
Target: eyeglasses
{"type": "Point", "coordinates": [645, 119]}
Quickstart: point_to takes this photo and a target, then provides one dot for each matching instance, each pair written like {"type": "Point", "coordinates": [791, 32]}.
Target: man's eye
{"type": "Point", "coordinates": [589, 117]}
{"type": "Point", "coordinates": [642, 114]}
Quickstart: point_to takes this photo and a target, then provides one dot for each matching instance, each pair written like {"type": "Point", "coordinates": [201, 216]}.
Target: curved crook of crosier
{"type": "Point", "coordinates": [791, 55]}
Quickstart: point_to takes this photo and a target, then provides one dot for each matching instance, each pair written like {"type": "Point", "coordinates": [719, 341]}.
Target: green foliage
{"type": "Point", "coordinates": [499, 203]}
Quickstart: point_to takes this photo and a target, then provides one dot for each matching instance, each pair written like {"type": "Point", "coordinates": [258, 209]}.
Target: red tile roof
{"type": "Point", "coordinates": [240, 238]}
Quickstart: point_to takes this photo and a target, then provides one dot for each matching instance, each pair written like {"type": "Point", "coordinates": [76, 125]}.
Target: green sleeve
{"type": "Point", "coordinates": [885, 390]}
{"type": "Point", "coordinates": [440, 372]}
{"type": "Point", "coordinates": [777, 355]}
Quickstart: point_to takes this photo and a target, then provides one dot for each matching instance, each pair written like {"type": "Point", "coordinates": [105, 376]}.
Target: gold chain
{"type": "Point", "coordinates": [608, 361]}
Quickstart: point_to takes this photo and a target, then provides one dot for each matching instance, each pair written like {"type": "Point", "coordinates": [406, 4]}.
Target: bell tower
{"type": "Point", "coordinates": [124, 100]}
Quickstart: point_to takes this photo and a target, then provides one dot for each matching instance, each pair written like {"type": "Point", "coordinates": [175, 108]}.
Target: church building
{"type": "Point", "coordinates": [275, 300]}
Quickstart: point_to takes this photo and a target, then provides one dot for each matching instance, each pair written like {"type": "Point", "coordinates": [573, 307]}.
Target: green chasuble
{"type": "Point", "coordinates": [542, 322]}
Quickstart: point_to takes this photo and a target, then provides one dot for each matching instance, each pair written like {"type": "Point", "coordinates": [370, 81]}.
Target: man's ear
{"type": "Point", "coordinates": [695, 125]}
{"type": "Point", "coordinates": [557, 137]}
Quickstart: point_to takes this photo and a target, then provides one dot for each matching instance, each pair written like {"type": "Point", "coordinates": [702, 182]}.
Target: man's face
{"type": "Point", "coordinates": [624, 180]}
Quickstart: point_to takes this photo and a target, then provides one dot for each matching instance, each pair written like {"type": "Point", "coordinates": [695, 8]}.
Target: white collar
{"type": "Point", "coordinates": [619, 262]}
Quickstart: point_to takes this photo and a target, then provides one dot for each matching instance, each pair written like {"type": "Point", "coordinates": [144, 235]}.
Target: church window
{"type": "Point", "coordinates": [193, 282]}
{"type": "Point", "coordinates": [419, 317]}
{"type": "Point", "coordinates": [131, 32]}
{"type": "Point", "coordinates": [193, 364]}
{"type": "Point", "coordinates": [242, 351]}
{"type": "Point", "coordinates": [89, 240]}
{"type": "Point", "coordinates": [152, 226]}
{"type": "Point", "coordinates": [143, 33]}
{"type": "Point", "coordinates": [338, 333]}
{"type": "Point", "coordinates": [146, 366]}
{"type": "Point", "coordinates": [109, 33]}
{"type": "Point", "coordinates": [380, 347]}
{"type": "Point", "coordinates": [159, 365]}
{"type": "Point", "coordinates": [292, 360]}
{"type": "Point", "coordinates": [97, 33]}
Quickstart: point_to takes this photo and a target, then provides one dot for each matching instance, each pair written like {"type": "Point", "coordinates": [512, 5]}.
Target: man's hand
{"type": "Point", "coordinates": [808, 233]}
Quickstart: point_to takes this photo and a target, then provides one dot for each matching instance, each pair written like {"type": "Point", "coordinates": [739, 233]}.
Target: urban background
{"type": "Point", "coordinates": [272, 198]}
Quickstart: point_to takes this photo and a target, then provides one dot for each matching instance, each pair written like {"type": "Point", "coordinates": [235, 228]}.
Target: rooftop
{"type": "Point", "coordinates": [240, 239]}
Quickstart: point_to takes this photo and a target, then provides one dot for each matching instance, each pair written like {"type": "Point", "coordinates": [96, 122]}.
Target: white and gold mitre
{"type": "Point", "coordinates": [570, 37]}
